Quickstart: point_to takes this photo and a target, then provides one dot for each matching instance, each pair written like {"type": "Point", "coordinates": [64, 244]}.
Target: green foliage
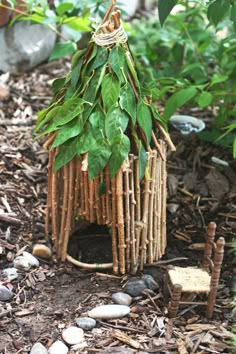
{"type": "Point", "coordinates": [188, 61]}
{"type": "Point", "coordinates": [98, 109]}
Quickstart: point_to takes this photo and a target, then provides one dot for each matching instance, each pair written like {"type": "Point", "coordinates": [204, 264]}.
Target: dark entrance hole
{"type": "Point", "coordinates": [91, 243]}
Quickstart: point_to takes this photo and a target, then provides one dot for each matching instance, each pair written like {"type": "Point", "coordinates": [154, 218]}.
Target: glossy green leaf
{"type": "Point", "coordinates": [120, 146]}
{"type": "Point", "coordinates": [86, 139]}
{"type": "Point", "coordinates": [110, 90]}
{"type": "Point", "coordinates": [62, 49]}
{"type": "Point", "coordinates": [144, 120]}
{"type": "Point", "coordinates": [75, 72]}
{"type": "Point", "coordinates": [177, 100]}
{"type": "Point", "coordinates": [98, 157]}
{"type": "Point", "coordinates": [117, 61]}
{"type": "Point", "coordinates": [69, 110]}
{"type": "Point", "coordinates": [128, 102]}
{"type": "Point", "coordinates": [101, 57]}
{"type": "Point", "coordinates": [94, 84]}
{"type": "Point", "coordinates": [157, 116]}
{"type": "Point", "coordinates": [217, 10]}
{"type": "Point", "coordinates": [62, 8]}
{"type": "Point", "coordinates": [164, 9]}
{"type": "Point", "coordinates": [97, 120]}
{"type": "Point", "coordinates": [205, 99]}
{"type": "Point", "coordinates": [116, 121]}
{"type": "Point", "coordinates": [78, 54]}
{"type": "Point", "coordinates": [218, 78]}
{"type": "Point", "coordinates": [66, 152]}
{"type": "Point", "coordinates": [58, 84]}
{"type": "Point", "coordinates": [69, 131]}
{"type": "Point", "coordinates": [49, 116]}
{"type": "Point", "coordinates": [78, 23]}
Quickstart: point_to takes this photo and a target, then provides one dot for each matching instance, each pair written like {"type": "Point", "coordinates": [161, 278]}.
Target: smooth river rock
{"type": "Point", "coordinates": [21, 263]}
{"type": "Point", "coordinates": [109, 312]}
{"type": "Point", "coordinates": [38, 348]}
{"type": "Point", "coordinates": [150, 282]}
{"type": "Point", "coordinates": [122, 298]}
{"type": "Point", "coordinates": [85, 323]}
{"type": "Point", "coordinates": [31, 259]}
{"type": "Point", "coordinates": [73, 335]}
{"type": "Point", "coordinates": [5, 293]}
{"type": "Point", "coordinates": [58, 347]}
{"type": "Point", "coordinates": [10, 273]}
{"type": "Point", "coordinates": [135, 287]}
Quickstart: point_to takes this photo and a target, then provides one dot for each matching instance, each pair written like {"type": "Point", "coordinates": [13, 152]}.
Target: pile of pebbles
{"type": "Point", "coordinates": [73, 336]}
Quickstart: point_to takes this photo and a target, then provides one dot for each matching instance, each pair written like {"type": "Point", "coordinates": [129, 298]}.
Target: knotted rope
{"type": "Point", "coordinates": [115, 37]}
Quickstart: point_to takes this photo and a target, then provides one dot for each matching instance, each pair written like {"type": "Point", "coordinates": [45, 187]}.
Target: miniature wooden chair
{"type": "Point", "coordinates": [180, 280]}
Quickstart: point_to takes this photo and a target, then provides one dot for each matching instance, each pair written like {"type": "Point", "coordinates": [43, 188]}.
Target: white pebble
{"type": "Point", "coordinates": [58, 347]}
{"type": "Point", "coordinates": [22, 263]}
{"type": "Point", "coordinates": [38, 348]}
{"type": "Point", "coordinates": [109, 312]}
{"type": "Point", "coordinates": [10, 273]}
{"type": "Point", "coordinates": [31, 259]}
{"type": "Point", "coordinates": [73, 335]}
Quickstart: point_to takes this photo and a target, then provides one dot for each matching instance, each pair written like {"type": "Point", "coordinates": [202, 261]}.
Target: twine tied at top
{"type": "Point", "coordinates": [116, 37]}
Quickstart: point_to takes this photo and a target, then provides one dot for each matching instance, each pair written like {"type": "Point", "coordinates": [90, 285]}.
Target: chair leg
{"type": "Point", "coordinates": [218, 258]}
{"type": "Point", "coordinates": [174, 301]}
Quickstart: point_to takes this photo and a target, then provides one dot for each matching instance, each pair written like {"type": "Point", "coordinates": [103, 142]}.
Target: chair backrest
{"type": "Point", "coordinates": [216, 247]}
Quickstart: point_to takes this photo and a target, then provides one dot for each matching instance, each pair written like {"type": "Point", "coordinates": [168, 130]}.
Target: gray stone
{"type": "Point", "coordinates": [5, 293]}
{"type": "Point", "coordinates": [10, 273]}
{"type": "Point", "coordinates": [25, 45]}
{"type": "Point", "coordinates": [58, 347]}
{"type": "Point", "coordinates": [135, 287]}
{"type": "Point", "coordinates": [85, 323]}
{"type": "Point", "coordinates": [73, 335]}
{"type": "Point", "coordinates": [150, 282]}
{"type": "Point", "coordinates": [122, 299]}
{"type": "Point", "coordinates": [31, 259]}
{"type": "Point", "coordinates": [22, 263]}
{"type": "Point", "coordinates": [109, 312]}
{"type": "Point", "coordinates": [38, 348]}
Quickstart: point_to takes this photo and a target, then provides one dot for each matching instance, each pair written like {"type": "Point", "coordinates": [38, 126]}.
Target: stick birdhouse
{"type": "Point", "coordinates": [107, 153]}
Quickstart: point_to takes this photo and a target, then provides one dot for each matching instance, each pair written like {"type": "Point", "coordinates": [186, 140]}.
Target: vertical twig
{"type": "Point", "coordinates": [120, 219]}
{"type": "Point", "coordinates": [69, 210]}
{"type": "Point", "coordinates": [77, 187]}
{"type": "Point", "coordinates": [127, 213]}
{"type": "Point", "coordinates": [163, 206]}
{"type": "Point", "coordinates": [114, 227]}
{"type": "Point", "coordinates": [108, 196]}
{"type": "Point", "coordinates": [138, 224]}
{"type": "Point", "coordinates": [49, 195]}
{"type": "Point", "coordinates": [64, 210]}
{"type": "Point", "coordinates": [151, 203]}
{"type": "Point", "coordinates": [91, 201]}
{"type": "Point", "coordinates": [132, 213]}
{"type": "Point", "coordinates": [86, 194]}
{"type": "Point", "coordinates": [145, 215]}
{"type": "Point", "coordinates": [103, 201]}
{"type": "Point", "coordinates": [55, 204]}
